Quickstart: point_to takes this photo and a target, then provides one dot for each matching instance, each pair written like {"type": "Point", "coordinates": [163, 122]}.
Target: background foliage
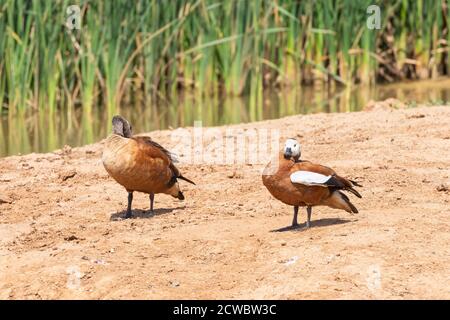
{"type": "Point", "coordinates": [150, 50]}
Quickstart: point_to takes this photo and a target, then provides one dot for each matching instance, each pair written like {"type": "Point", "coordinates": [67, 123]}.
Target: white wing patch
{"type": "Point", "coordinates": [309, 178]}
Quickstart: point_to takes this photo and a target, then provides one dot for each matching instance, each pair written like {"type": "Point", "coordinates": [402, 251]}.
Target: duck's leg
{"type": "Point", "coordinates": [309, 212]}
{"type": "Point", "coordinates": [294, 221]}
{"type": "Point", "coordinates": [152, 198]}
{"type": "Point", "coordinates": [130, 200]}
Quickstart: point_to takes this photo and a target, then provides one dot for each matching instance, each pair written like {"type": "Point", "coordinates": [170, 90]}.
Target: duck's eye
{"type": "Point", "coordinates": [295, 145]}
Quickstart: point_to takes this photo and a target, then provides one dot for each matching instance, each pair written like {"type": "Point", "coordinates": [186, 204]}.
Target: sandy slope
{"type": "Point", "coordinates": [65, 239]}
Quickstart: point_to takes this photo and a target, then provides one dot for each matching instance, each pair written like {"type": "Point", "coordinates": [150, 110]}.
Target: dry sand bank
{"type": "Point", "coordinates": [60, 237]}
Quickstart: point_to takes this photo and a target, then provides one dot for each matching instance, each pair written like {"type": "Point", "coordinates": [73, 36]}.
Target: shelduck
{"type": "Point", "coordinates": [140, 164]}
{"type": "Point", "coordinates": [301, 183]}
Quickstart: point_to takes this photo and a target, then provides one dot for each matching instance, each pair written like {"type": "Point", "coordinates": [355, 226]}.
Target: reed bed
{"type": "Point", "coordinates": [134, 52]}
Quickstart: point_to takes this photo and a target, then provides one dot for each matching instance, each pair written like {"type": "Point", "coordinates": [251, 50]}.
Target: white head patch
{"type": "Point", "coordinates": [293, 146]}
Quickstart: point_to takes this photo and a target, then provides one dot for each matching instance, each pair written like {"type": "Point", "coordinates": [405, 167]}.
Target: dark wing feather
{"type": "Point", "coordinates": [355, 183]}
{"type": "Point", "coordinates": [348, 185]}
{"type": "Point", "coordinates": [334, 182]}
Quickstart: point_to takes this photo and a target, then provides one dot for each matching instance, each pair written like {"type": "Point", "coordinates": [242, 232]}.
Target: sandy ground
{"type": "Point", "coordinates": [62, 235]}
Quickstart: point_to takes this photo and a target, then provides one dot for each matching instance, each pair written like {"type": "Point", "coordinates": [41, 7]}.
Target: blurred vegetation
{"type": "Point", "coordinates": [128, 52]}
{"type": "Point", "coordinates": [22, 133]}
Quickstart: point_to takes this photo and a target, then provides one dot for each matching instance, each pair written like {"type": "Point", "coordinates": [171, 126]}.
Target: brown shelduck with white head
{"type": "Point", "coordinates": [301, 183]}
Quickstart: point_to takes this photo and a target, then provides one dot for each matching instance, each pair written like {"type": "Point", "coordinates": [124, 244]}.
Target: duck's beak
{"type": "Point", "coordinates": [288, 153]}
{"type": "Point", "coordinates": [180, 195]}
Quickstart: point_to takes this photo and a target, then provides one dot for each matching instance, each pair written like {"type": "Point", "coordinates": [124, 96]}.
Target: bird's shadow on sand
{"type": "Point", "coordinates": [143, 214]}
{"type": "Point", "coordinates": [315, 223]}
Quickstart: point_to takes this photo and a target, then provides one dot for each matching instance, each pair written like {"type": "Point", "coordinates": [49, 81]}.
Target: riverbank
{"type": "Point", "coordinates": [62, 236]}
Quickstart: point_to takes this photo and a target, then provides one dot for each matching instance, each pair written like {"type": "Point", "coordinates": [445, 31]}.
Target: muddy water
{"type": "Point", "coordinates": [41, 132]}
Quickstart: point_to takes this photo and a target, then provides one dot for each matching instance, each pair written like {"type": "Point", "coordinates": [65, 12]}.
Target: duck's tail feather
{"type": "Point", "coordinates": [356, 193]}
{"type": "Point", "coordinates": [355, 183]}
{"type": "Point", "coordinates": [339, 200]}
{"type": "Point", "coordinates": [347, 201]}
{"type": "Point", "coordinates": [186, 179]}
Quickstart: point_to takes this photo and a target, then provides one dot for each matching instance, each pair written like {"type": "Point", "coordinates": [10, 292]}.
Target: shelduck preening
{"type": "Point", "coordinates": [299, 183]}
{"type": "Point", "coordinates": [140, 164]}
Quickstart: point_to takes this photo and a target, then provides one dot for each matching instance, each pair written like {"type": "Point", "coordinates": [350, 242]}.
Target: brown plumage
{"type": "Point", "coordinates": [278, 180]}
{"type": "Point", "coordinates": [140, 164]}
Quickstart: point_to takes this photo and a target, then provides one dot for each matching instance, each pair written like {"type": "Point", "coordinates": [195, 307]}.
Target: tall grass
{"type": "Point", "coordinates": [150, 50]}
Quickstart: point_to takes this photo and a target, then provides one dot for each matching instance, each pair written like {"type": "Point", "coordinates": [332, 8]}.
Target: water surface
{"type": "Point", "coordinates": [39, 131]}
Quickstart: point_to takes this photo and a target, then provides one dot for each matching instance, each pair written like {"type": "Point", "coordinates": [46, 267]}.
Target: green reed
{"type": "Point", "coordinates": [129, 51]}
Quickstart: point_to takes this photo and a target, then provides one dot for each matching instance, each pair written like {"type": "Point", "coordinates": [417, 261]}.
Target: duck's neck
{"type": "Point", "coordinates": [115, 141]}
{"type": "Point", "coordinates": [285, 162]}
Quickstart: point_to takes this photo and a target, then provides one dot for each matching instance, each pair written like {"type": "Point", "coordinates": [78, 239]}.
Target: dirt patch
{"type": "Point", "coordinates": [62, 235]}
